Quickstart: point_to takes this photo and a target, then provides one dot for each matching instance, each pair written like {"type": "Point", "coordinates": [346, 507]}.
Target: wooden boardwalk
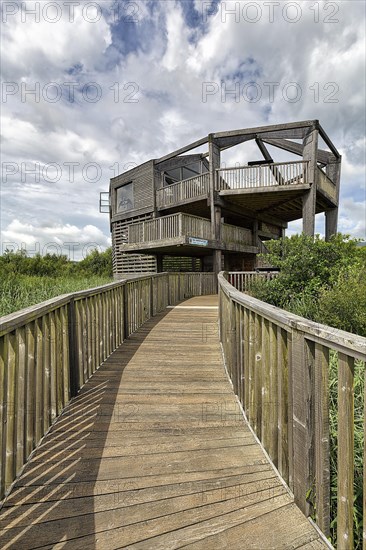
{"type": "Point", "coordinates": [154, 454]}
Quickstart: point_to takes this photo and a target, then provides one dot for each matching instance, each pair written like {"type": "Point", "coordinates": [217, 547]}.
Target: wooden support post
{"type": "Point", "coordinates": [333, 171]}
{"type": "Point", "coordinates": [302, 420]}
{"type": "Point", "coordinates": [321, 441]}
{"type": "Point", "coordinates": [345, 452]}
{"type": "Point", "coordinates": [214, 158]}
{"type": "Point", "coordinates": [126, 332]}
{"type": "Point", "coordinates": [159, 262]}
{"type": "Point", "coordinates": [217, 254]}
{"type": "Point", "coordinates": [331, 223]}
{"type": "Point", "coordinates": [309, 199]}
{"type": "Point", "coordinates": [255, 233]}
{"type": "Point", "coordinates": [73, 350]}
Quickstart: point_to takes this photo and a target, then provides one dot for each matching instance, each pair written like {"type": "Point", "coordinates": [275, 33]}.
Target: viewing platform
{"type": "Point", "coordinates": [212, 202]}
{"type": "Point", "coordinates": [190, 233]}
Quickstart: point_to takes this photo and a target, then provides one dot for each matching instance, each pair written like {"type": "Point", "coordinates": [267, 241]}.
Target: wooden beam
{"type": "Point", "coordinates": [231, 207]}
{"type": "Point", "coordinates": [275, 171]}
{"type": "Point", "coordinates": [297, 149]}
{"type": "Point", "coordinates": [327, 140]}
{"type": "Point", "coordinates": [263, 149]}
{"type": "Point", "coordinates": [231, 141]}
{"type": "Point", "coordinates": [295, 133]}
{"type": "Point", "coordinates": [215, 209]}
{"type": "Point", "coordinates": [182, 150]}
{"type": "Point", "coordinates": [177, 161]}
{"type": "Point", "coordinates": [275, 205]}
{"type": "Point", "coordinates": [271, 128]}
{"type": "Point", "coordinates": [309, 199]}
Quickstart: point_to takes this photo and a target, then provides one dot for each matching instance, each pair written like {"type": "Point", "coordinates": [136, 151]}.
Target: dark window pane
{"type": "Point", "coordinates": [125, 198]}
{"type": "Point", "coordinates": [194, 167]}
{"type": "Point", "coordinates": [173, 174]}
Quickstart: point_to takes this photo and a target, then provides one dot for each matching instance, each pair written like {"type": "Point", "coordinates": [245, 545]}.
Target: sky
{"type": "Point", "coordinates": [91, 89]}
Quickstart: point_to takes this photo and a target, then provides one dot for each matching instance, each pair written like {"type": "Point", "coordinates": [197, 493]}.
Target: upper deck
{"type": "Point", "coordinates": [257, 188]}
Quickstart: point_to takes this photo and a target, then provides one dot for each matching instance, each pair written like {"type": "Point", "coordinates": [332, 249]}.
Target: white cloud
{"type": "Point", "coordinates": [41, 48]}
{"type": "Point", "coordinates": [73, 241]}
{"type": "Point", "coordinates": [160, 105]}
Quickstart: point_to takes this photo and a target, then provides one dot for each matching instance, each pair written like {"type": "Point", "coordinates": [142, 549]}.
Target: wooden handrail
{"type": "Point", "coordinates": [181, 191]}
{"type": "Point", "coordinates": [48, 352]}
{"type": "Point", "coordinates": [268, 175]}
{"type": "Point", "coordinates": [180, 225]}
{"type": "Point", "coordinates": [279, 365]}
{"type": "Point", "coordinates": [239, 167]}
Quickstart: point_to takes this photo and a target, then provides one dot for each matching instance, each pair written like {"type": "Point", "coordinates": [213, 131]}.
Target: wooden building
{"type": "Point", "coordinates": [189, 212]}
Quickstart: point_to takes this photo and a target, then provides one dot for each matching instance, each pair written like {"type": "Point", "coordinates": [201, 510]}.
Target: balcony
{"type": "Point", "coordinates": [274, 189]}
{"type": "Point", "coordinates": [191, 234]}
{"type": "Point", "coordinates": [184, 191]}
{"type": "Point", "coordinates": [252, 187]}
{"type": "Point", "coordinates": [279, 174]}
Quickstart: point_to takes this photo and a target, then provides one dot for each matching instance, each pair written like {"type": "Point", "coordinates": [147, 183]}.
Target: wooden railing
{"type": "Point", "coordinates": [325, 184]}
{"type": "Point", "coordinates": [183, 191]}
{"type": "Point", "coordinates": [168, 227]}
{"type": "Point", "coordinates": [185, 225]}
{"type": "Point", "coordinates": [243, 280]}
{"type": "Point", "coordinates": [268, 175]}
{"type": "Point", "coordinates": [48, 352]}
{"type": "Point", "coordinates": [279, 366]}
{"type": "Point", "coordinates": [232, 234]}
{"type": "Point", "coordinates": [262, 260]}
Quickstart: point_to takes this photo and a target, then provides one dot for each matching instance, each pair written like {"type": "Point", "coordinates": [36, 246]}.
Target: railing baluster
{"type": "Point", "coordinates": [345, 452]}
{"type": "Point", "coordinates": [321, 441]}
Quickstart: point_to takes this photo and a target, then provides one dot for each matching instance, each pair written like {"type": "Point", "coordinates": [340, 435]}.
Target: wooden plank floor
{"type": "Point", "coordinates": [154, 454]}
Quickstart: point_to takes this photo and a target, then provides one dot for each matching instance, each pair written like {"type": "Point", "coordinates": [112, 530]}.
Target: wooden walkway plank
{"type": "Point", "coordinates": [154, 453]}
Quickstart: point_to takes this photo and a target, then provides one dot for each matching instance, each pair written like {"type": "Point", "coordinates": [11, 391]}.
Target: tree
{"type": "Point", "coordinates": [309, 271]}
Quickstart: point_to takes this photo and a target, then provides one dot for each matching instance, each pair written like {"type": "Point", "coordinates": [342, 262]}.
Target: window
{"type": "Point", "coordinates": [182, 173]}
{"type": "Point", "coordinates": [125, 200]}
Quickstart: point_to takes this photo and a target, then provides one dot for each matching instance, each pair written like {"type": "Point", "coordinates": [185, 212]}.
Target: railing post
{"type": "Point", "coordinates": [168, 290]}
{"type": "Point", "coordinates": [125, 312]}
{"type": "Point", "coordinates": [302, 367]}
{"type": "Point", "coordinates": [151, 296]}
{"type": "Point", "coordinates": [73, 350]}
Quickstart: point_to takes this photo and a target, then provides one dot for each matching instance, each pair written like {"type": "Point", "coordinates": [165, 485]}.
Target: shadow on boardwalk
{"type": "Point", "coordinates": [154, 453]}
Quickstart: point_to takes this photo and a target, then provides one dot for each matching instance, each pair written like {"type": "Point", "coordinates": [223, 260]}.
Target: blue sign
{"type": "Point", "coordinates": [198, 242]}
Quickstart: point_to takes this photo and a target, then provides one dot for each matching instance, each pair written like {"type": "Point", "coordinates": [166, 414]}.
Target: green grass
{"type": "Point", "coordinates": [20, 291]}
